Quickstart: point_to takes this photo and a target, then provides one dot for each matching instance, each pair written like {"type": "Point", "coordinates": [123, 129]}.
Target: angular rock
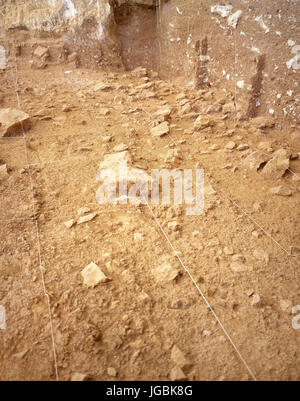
{"type": "Point", "coordinates": [79, 377]}
{"type": "Point", "coordinates": [228, 250]}
{"type": "Point", "coordinates": [69, 223]}
{"type": "Point", "coordinates": [165, 273]}
{"type": "Point", "coordinates": [41, 52]}
{"type": "Point", "coordinates": [12, 121]}
{"type": "Point", "coordinates": [102, 87]}
{"type": "Point", "coordinates": [177, 374]}
{"type": "Point", "coordinates": [202, 122]}
{"type": "Point", "coordinates": [230, 145]}
{"type": "Point", "coordinates": [263, 122]}
{"type": "Point", "coordinates": [161, 129]}
{"type": "Point", "coordinates": [162, 114]}
{"type": "Point", "coordinates": [112, 160]}
{"type": "Point", "coordinates": [3, 172]}
{"type": "Point", "coordinates": [278, 165]}
{"type": "Point", "coordinates": [295, 251]}
{"type": "Point", "coordinates": [93, 275]}
{"type": "Point", "coordinates": [83, 210]}
{"type": "Point", "coordinates": [112, 372]}
{"type": "Point", "coordinates": [281, 191]}
{"type": "Point", "coordinates": [285, 305]}
{"type": "Point", "coordinates": [86, 218]}
{"type": "Point", "coordinates": [179, 358]}
{"type": "Point", "coordinates": [242, 147]}
{"type": "Point", "coordinates": [255, 160]}
{"type": "Point", "coordinates": [255, 300]}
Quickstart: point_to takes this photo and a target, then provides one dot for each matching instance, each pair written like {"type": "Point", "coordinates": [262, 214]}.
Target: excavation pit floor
{"type": "Point", "coordinates": [238, 251]}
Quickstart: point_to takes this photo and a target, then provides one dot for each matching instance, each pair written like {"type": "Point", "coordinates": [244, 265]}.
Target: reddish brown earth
{"type": "Point", "coordinates": [238, 250]}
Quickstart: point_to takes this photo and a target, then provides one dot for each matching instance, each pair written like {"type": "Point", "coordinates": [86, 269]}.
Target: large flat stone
{"type": "Point", "coordinates": [13, 121]}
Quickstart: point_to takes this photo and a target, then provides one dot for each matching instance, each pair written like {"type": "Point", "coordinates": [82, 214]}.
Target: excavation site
{"type": "Point", "coordinates": [149, 191]}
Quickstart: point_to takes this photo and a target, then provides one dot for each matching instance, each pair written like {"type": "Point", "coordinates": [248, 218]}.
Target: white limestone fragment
{"type": "Point", "coordinates": [262, 24]}
{"type": "Point", "coordinates": [224, 11]}
{"type": "Point", "coordinates": [233, 19]}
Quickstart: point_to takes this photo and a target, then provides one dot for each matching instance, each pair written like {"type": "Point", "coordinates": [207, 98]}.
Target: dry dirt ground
{"type": "Point", "coordinates": [126, 328]}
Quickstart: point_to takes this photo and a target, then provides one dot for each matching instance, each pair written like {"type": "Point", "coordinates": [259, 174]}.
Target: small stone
{"type": "Point", "coordinates": [230, 145]}
{"type": "Point", "coordinates": [228, 250]}
{"type": "Point", "coordinates": [206, 333]}
{"type": "Point", "coordinates": [177, 374]}
{"type": "Point", "coordinates": [112, 372]}
{"type": "Point", "coordinates": [66, 108]}
{"type": "Point", "coordinates": [165, 272]}
{"type": "Point", "coordinates": [79, 377]}
{"type": "Point", "coordinates": [69, 223]}
{"type": "Point", "coordinates": [295, 251]}
{"type": "Point", "coordinates": [162, 114]}
{"type": "Point", "coordinates": [83, 210]}
{"type": "Point", "coordinates": [281, 191]}
{"type": "Point", "coordinates": [242, 147]}
{"type": "Point", "coordinates": [176, 305]}
{"type": "Point", "coordinates": [3, 171]}
{"type": "Point", "coordinates": [20, 355]}
{"type": "Point", "coordinates": [93, 275]}
{"type": "Point", "coordinates": [173, 225]}
{"type": "Point", "coordinates": [238, 258]}
{"type": "Point", "coordinates": [285, 305]}
{"type": "Point", "coordinates": [161, 129]}
{"type": "Point", "coordinates": [202, 122]}
{"type": "Point", "coordinates": [86, 218]}
{"type": "Point", "coordinates": [255, 300]}
{"type": "Point", "coordinates": [102, 87]}
{"type": "Point", "coordinates": [249, 293]}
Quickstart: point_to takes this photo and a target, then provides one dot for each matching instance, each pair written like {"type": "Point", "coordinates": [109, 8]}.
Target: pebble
{"type": "Point", "coordinates": [230, 145]}
{"type": "Point", "coordinates": [69, 223]}
{"type": "Point", "coordinates": [228, 250]}
{"type": "Point", "coordinates": [255, 300]}
{"type": "Point", "coordinates": [79, 377]}
{"type": "Point", "coordinates": [112, 372]}
{"type": "Point", "coordinates": [179, 358]}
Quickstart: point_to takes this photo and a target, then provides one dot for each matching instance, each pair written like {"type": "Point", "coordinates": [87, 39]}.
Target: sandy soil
{"type": "Point", "coordinates": [132, 322]}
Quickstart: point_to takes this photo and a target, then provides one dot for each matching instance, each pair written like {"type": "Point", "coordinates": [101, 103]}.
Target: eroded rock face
{"type": "Point", "coordinates": [87, 27]}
